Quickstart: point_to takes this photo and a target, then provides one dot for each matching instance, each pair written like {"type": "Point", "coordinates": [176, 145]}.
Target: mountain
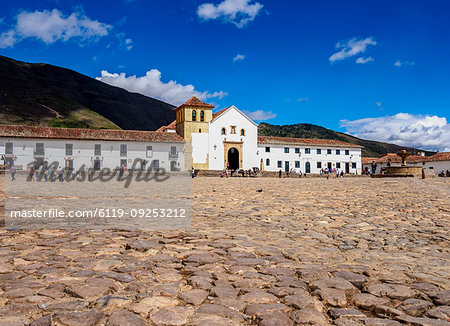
{"type": "Point", "coordinates": [42, 94]}
{"type": "Point", "coordinates": [304, 130]}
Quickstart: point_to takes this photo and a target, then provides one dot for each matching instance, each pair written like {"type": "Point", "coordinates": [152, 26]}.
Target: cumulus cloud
{"type": "Point", "coordinates": [151, 85]}
{"type": "Point", "coordinates": [364, 60]}
{"type": "Point", "coordinates": [420, 131]}
{"type": "Point", "coordinates": [399, 63]}
{"type": "Point", "coordinates": [239, 57]}
{"type": "Point", "coordinates": [237, 12]}
{"type": "Point", "coordinates": [260, 115]}
{"type": "Point", "coordinates": [52, 26]}
{"type": "Point", "coordinates": [351, 48]}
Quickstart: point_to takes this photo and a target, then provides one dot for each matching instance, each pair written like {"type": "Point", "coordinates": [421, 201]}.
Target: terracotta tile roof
{"type": "Point", "coordinates": [394, 158]}
{"type": "Point", "coordinates": [194, 101]}
{"type": "Point", "coordinates": [171, 126]}
{"type": "Point", "coordinates": [304, 141]}
{"type": "Point", "coordinates": [444, 156]}
{"type": "Point", "coordinates": [215, 115]}
{"type": "Point", "coordinates": [87, 134]}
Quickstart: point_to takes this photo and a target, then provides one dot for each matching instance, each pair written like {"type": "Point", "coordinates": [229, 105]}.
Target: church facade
{"type": "Point", "coordinates": [229, 138]}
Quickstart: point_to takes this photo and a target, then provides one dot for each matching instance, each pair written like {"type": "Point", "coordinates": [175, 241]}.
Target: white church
{"type": "Point", "coordinates": [228, 138]}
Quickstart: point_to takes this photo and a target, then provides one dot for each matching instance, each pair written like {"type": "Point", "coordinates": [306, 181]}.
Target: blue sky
{"type": "Point", "coordinates": [376, 69]}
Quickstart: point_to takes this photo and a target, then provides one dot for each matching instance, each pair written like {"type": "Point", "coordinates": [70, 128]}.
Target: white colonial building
{"type": "Point", "coordinates": [230, 139]}
{"type": "Point", "coordinates": [93, 148]}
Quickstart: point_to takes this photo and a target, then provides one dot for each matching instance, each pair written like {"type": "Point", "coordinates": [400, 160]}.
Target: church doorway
{"type": "Point", "coordinates": [233, 158]}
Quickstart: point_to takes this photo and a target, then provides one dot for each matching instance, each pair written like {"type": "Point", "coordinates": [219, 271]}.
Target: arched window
{"type": "Point", "coordinates": [194, 115]}
{"type": "Point", "coordinates": [223, 132]}
{"type": "Point", "coordinates": [267, 162]}
{"type": "Point", "coordinates": [242, 132]}
{"type": "Point", "coordinates": [202, 115]}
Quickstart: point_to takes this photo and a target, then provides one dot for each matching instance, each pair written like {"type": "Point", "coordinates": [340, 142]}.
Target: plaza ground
{"type": "Point", "coordinates": [264, 251]}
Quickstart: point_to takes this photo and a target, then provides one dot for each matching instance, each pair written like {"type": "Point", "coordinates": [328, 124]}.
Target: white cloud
{"type": "Point", "coordinates": [260, 115]}
{"type": "Point", "coordinates": [239, 57]}
{"type": "Point", "coordinates": [378, 104]}
{"type": "Point", "coordinates": [52, 26]}
{"type": "Point", "coordinates": [364, 60]}
{"type": "Point", "coordinates": [303, 99]}
{"type": "Point", "coordinates": [151, 85]}
{"type": "Point", "coordinates": [420, 131]}
{"type": "Point", "coordinates": [399, 63]}
{"type": "Point", "coordinates": [351, 48]}
{"type": "Point", "coordinates": [237, 12]}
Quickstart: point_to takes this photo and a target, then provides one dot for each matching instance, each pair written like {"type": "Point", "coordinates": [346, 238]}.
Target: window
{"type": "Point", "coordinates": [69, 149]}
{"type": "Point", "coordinates": [123, 150]}
{"type": "Point", "coordinates": [319, 165]}
{"type": "Point", "coordinates": [223, 132]}
{"type": "Point", "coordinates": [202, 115]}
{"type": "Point", "coordinates": [338, 152]}
{"type": "Point", "coordinates": [39, 149]}
{"type": "Point", "coordinates": [149, 151]}
{"type": "Point", "coordinates": [297, 164]}
{"type": "Point", "coordinates": [307, 150]}
{"type": "Point", "coordinates": [279, 164]}
{"type": "Point", "coordinates": [338, 165]}
{"type": "Point", "coordinates": [8, 148]}
{"type": "Point", "coordinates": [319, 151]}
{"type": "Point", "coordinates": [194, 115]}
{"type": "Point", "coordinates": [233, 130]}
{"type": "Point", "coordinates": [297, 151]}
{"type": "Point", "coordinates": [267, 149]}
{"type": "Point", "coordinates": [242, 132]}
{"type": "Point", "coordinates": [328, 151]}
{"type": "Point", "coordinates": [286, 149]}
{"type": "Point", "coordinates": [267, 162]}
{"type": "Point", "coordinates": [98, 149]}
{"type": "Point", "coordinates": [347, 152]}
{"type": "Point", "coordinates": [354, 165]}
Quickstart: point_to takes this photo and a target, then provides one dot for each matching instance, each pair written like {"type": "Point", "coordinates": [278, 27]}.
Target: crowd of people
{"type": "Point", "coordinates": [444, 174]}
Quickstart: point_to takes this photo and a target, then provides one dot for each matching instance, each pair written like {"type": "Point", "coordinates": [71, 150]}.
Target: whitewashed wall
{"type": "Point", "coordinates": [233, 117]}
{"type": "Point", "coordinates": [277, 154]}
{"type": "Point", "coordinates": [200, 147]}
{"type": "Point", "coordinates": [83, 152]}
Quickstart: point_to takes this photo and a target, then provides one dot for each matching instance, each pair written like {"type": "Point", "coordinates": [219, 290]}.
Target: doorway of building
{"type": "Point", "coordinates": [173, 166]}
{"type": "Point", "coordinates": [307, 167]}
{"type": "Point", "coordinates": [97, 165]}
{"type": "Point", "coordinates": [329, 166]}
{"type": "Point", "coordinates": [347, 167]}
{"type": "Point", "coordinates": [286, 166]}
{"type": "Point", "coordinates": [233, 158]}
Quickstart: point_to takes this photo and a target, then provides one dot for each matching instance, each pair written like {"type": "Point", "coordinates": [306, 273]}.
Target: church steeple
{"type": "Point", "coordinates": [193, 117]}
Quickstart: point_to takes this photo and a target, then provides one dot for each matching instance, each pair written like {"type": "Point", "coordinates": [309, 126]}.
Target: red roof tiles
{"type": "Point", "coordinates": [303, 141]}
{"type": "Point", "coordinates": [87, 134]}
{"type": "Point", "coordinates": [215, 115]}
{"type": "Point", "coordinates": [194, 101]}
{"type": "Point", "coordinates": [394, 158]}
{"type": "Point", "coordinates": [171, 126]}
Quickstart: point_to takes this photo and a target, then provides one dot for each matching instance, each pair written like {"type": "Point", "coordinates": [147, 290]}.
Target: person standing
{"type": "Point", "coordinates": [279, 174]}
{"type": "Point", "coordinates": [13, 173]}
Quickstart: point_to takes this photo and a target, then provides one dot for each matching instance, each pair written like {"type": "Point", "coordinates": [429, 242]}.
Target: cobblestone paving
{"type": "Point", "coordinates": [269, 252]}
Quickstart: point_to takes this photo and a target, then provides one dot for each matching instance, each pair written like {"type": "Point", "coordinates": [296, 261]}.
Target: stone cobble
{"type": "Point", "coordinates": [260, 252]}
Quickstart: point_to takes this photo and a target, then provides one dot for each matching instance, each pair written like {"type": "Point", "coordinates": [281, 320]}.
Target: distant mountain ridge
{"type": "Point", "coordinates": [304, 130]}
{"type": "Point", "coordinates": [42, 94]}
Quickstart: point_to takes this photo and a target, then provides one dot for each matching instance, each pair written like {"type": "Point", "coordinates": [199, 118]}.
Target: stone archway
{"type": "Point", "coordinates": [233, 158]}
{"type": "Point", "coordinates": [227, 145]}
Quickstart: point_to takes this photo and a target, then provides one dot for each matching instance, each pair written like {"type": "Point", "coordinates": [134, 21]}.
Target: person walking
{"type": "Point", "coordinates": [13, 173]}
{"type": "Point", "coordinates": [279, 174]}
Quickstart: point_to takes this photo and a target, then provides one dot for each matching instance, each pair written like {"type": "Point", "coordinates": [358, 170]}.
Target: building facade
{"type": "Point", "coordinates": [91, 148]}
{"type": "Point", "coordinates": [229, 138]}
